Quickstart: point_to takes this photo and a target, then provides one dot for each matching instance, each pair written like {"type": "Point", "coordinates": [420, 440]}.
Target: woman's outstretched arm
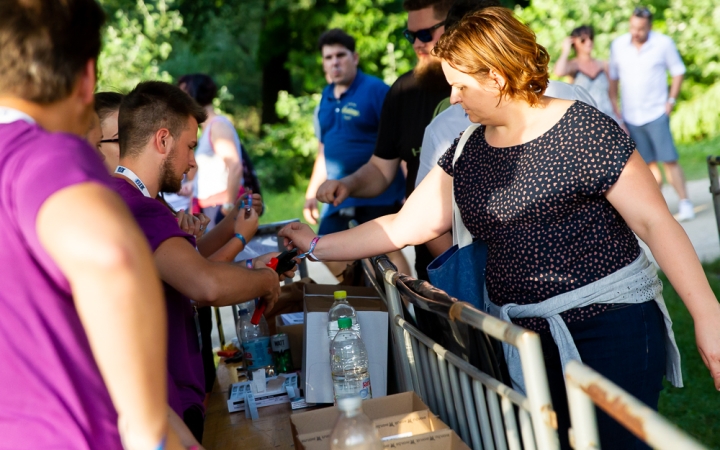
{"type": "Point", "coordinates": [637, 198]}
{"type": "Point", "coordinates": [426, 215]}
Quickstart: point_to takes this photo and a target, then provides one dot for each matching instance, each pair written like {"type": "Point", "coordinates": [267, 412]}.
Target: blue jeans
{"type": "Point", "coordinates": [625, 344]}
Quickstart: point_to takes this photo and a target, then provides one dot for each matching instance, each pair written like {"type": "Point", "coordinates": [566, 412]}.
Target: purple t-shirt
{"type": "Point", "coordinates": [51, 391]}
{"type": "Point", "coordinates": [186, 384]}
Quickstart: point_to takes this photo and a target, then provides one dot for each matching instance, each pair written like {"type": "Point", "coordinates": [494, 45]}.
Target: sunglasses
{"type": "Point", "coordinates": [424, 35]}
{"type": "Point", "coordinates": [116, 140]}
{"type": "Point", "coordinates": [642, 12]}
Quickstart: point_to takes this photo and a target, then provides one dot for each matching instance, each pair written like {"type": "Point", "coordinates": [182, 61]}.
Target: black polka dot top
{"type": "Point", "coordinates": [540, 208]}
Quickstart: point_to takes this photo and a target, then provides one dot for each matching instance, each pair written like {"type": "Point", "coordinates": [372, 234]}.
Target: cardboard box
{"type": "Point", "coordinates": [437, 440]}
{"type": "Point", "coordinates": [295, 334]}
{"type": "Point", "coordinates": [394, 416]}
{"type": "Point", "coordinates": [373, 319]}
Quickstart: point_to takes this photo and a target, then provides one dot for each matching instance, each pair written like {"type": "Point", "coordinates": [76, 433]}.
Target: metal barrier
{"type": "Point", "coordinates": [484, 411]}
{"type": "Point", "coordinates": [587, 388]}
{"type": "Point", "coordinates": [713, 162]}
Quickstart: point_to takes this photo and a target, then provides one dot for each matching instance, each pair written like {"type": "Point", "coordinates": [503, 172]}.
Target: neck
{"type": "Point", "coordinates": [145, 169]}
{"type": "Point", "coordinates": [584, 57]}
{"type": "Point", "coordinates": [340, 89]}
{"type": "Point", "coordinates": [513, 118]}
{"type": "Point", "coordinates": [61, 116]}
{"type": "Point", "coordinates": [210, 110]}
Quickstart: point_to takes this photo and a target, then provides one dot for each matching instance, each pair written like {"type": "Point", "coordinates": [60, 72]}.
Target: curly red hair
{"type": "Point", "coordinates": [494, 39]}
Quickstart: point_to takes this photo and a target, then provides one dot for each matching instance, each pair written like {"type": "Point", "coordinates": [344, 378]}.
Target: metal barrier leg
{"type": "Point", "coordinates": [458, 401]}
{"type": "Point", "coordinates": [447, 393]}
{"type": "Point", "coordinates": [526, 430]}
{"type": "Point", "coordinates": [418, 353]}
{"type": "Point", "coordinates": [484, 418]}
{"type": "Point", "coordinates": [467, 397]}
{"type": "Point", "coordinates": [437, 387]}
{"type": "Point", "coordinates": [497, 422]}
{"type": "Point", "coordinates": [511, 429]}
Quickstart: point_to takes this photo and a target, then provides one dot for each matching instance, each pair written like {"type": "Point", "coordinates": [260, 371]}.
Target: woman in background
{"type": "Point", "coordinates": [584, 70]}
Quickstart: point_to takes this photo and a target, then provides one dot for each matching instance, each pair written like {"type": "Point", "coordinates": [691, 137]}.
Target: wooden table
{"type": "Point", "coordinates": [230, 431]}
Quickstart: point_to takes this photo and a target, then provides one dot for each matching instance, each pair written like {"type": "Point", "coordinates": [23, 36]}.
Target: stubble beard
{"type": "Point", "coordinates": [429, 73]}
{"type": "Point", "coordinates": [169, 183]}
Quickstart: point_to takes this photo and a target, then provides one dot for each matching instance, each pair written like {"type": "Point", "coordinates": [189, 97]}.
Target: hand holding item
{"type": "Point", "coordinates": [246, 224]}
{"type": "Point", "coordinates": [333, 192]}
{"type": "Point", "coordinates": [310, 211]}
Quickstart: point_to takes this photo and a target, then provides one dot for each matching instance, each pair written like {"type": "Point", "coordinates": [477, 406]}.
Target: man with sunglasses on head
{"type": "Point", "coordinates": [409, 107]}
{"type": "Point", "coordinates": [640, 61]}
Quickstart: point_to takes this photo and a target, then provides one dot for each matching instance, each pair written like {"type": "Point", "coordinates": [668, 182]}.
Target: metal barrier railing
{"type": "Point", "coordinates": [587, 388]}
{"type": "Point", "coordinates": [484, 411]}
{"type": "Point", "coordinates": [713, 162]}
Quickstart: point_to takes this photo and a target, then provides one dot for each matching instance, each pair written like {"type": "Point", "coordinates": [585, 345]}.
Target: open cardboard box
{"type": "Point", "coordinates": [295, 335]}
{"type": "Point", "coordinates": [396, 417]}
{"type": "Point", "coordinates": [373, 319]}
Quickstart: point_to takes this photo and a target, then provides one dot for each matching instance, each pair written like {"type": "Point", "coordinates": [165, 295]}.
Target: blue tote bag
{"type": "Point", "coordinates": [460, 270]}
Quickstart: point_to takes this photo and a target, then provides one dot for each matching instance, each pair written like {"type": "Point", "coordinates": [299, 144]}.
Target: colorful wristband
{"type": "Point", "coordinates": [242, 238]}
{"type": "Point", "coordinates": [161, 446]}
{"type": "Point", "coordinates": [310, 253]}
{"type": "Point", "coordinates": [249, 263]}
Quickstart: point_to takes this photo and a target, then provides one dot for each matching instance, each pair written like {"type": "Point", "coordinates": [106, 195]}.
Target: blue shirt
{"type": "Point", "coordinates": [348, 130]}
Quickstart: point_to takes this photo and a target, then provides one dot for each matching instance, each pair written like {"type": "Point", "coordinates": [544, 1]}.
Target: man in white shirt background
{"type": "Point", "coordinates": [640, 61]}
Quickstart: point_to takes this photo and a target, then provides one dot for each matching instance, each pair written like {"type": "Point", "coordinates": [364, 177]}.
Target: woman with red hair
{"type": "Point", "coordinates": [558, 192]}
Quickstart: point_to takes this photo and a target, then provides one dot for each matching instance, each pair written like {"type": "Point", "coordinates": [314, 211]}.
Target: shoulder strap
{"type": "Point", "coordinates": [461, 235]}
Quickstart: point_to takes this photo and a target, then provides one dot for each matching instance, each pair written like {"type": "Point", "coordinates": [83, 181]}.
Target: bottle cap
{"type": "Point", "coordinates": [339, 294]}
{"type": "Point", "coordinates": [345, 323]}
{"type": "Point", "coordinates": [346, 404]}
{"type": "Point", "coordinates": [243, 312]}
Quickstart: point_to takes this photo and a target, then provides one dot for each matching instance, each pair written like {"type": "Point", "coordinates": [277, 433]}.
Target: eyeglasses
{"type": "Point", "coordinates": [116, 140]}
{"type": "Point", "coordinates": [425, 35]}
{"type": "Point", "coordinates": [642, 12]}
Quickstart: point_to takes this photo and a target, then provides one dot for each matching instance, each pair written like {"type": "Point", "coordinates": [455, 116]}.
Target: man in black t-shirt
{"type": "Point", "coordinates": [407, 110]}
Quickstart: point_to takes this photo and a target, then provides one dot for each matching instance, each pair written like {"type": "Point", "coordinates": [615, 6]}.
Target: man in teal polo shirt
{"type": "Point", "coordinates": [349, 116]}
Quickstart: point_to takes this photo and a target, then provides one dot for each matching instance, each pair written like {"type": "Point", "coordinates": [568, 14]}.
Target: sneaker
{"type": "Point", "coordinates": [685, 211]}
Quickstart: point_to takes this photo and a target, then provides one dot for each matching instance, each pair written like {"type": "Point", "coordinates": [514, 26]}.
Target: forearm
{"type": "Point", "coordinates": [561, 66]}
{"type": "Point", "coordinates": [230, 284]}
{"type": "Point", "coordinates": [318, 177]}
{"type": "Point", "coordinates": [676, 256]}
{"type": "Point", "coordinates": [215, 239]}
{"type": "Point", "coordinates": [181, 430]}
{"type": "Point", "coordinates": [439, 245]}
{"type": "Point", "coordinates": [228, 252]}
{"type": "Point", "coordinates": [613, 94]}
{"type": "Point", "coordinates": [675, 86]}
{"type": "Point", "coordinates": [233, 180]}
{"type": "Point", "coordinates": [367, 182]}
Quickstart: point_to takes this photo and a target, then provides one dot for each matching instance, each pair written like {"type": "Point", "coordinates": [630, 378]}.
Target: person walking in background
{"type": "Point", "coordinates": [219, 175]}
{"type": "Point", "coordinates": [584, 70]}
{"type": "Point", "coordinates": [349, 116]}
{"type": "Point", "coordinates": [409, 107]}
{"type": "Point", "coordinates": [639, 63]}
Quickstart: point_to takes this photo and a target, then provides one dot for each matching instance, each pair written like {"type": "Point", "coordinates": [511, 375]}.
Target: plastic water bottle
{"type": "Point", "coordinates": [341, 308]}
{"type": "Point", "coordinates": [353, 430]}
{"type": "Point", "coordinates": [349, 363]}
{"type": "Point", "coordinates": [255, 341]}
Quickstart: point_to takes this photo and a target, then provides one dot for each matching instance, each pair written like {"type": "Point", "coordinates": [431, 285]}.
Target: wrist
{"type": "Point", "coordinates": [241, 238]}
{"type": "Point", "coordinates": [672, 100]}
{"type": "Point", "coordinates": [227, 206]}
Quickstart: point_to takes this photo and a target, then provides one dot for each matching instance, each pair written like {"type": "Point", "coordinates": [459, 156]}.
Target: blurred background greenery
{"type": "Point", "coordinates": [263, 53]}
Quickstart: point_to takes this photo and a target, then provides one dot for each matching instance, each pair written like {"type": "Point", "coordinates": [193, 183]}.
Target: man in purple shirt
{"type": "Point", "coordinates": [158, 126]}
{"type": "Point", "coordinates": [83, 331]}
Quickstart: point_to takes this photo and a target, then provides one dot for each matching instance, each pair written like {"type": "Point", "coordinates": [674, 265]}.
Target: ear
{"type": "Point", "coordinates": [86, 83]}
{"type": "Point", "coordinates": [356, 58]}
{"type": "Point", "coordinates": [162, 140]}
{"type": "Point", "coordinates": [497, 78]}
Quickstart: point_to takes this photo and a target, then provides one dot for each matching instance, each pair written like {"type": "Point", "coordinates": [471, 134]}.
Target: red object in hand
{"type": "Point", "coordinates": [258, 313]}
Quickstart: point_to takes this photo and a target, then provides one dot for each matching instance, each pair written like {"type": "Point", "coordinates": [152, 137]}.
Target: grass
{"type": "Point", "coordinates": [692, 157]}
{"type": "Point", "coordinates": [693, 408]}
{"type": "Point", "coordinates": [284, 205]}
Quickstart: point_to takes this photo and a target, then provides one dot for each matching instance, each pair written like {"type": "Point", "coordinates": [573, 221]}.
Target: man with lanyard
{"type": "Point", "coordinates": [83, 334]}
{"type": "Point", "coordinates": [409, 107]}
{"type": "Point", "coordinates": [158, 126]}
{"type": "Point", "coordinates": [348, 117]}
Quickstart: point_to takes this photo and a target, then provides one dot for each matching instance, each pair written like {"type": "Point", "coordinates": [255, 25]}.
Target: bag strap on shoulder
{"type": "Point", "coordinates": [461, 235]}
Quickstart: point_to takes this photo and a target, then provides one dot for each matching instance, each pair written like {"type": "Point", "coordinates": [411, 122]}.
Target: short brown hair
{"type": "Point", "coordinates": [150, 106]}
{"type": "Point", "coordinates": [493, 39]}
{"type": "Point", "coordinates": [107, 103]}
{"type": "Point", "coordinates": [440, 7]}
{"type": "Point", "coordinates": [45, 45]}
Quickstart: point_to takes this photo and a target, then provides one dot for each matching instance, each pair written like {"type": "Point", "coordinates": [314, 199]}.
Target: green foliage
{"type": "Point", "coordinates": [137, 40]}
{"type": "Point", "coordinates": [284, 156]}
{"type": "Point", "coordinates": [698, 118]}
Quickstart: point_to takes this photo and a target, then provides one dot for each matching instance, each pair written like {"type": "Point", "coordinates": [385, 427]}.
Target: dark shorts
{"type": "Point", "coordinates": [339, 222]}
{"type": "Point", "coordinates": [625, 344]}
{"type": "Point", "coordinates": [654, 140]}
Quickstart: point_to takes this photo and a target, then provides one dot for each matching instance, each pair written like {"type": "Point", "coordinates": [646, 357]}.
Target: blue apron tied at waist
{"type": "Point", "coordinates": [633, 284]}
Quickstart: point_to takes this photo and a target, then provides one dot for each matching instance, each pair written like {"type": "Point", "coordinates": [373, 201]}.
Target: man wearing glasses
{"type": "Point", "coordinates": [640, 60]}
{"type": "Point", "coordinates": [409, 107]}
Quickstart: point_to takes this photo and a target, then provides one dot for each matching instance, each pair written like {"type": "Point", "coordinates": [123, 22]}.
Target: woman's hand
{"type": "Point", "coordinates": [264, 260]}
{"type": "Point", "coordinates": [297, 235]}
{"type": "Point", "coordinates": [567, 44]}
{"type": "Point", "coordinates": [707, 337]}
{"type": "Point", "coordinates": [310, 211]}
{"type": "Point", "coordinates": [246, 224]}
